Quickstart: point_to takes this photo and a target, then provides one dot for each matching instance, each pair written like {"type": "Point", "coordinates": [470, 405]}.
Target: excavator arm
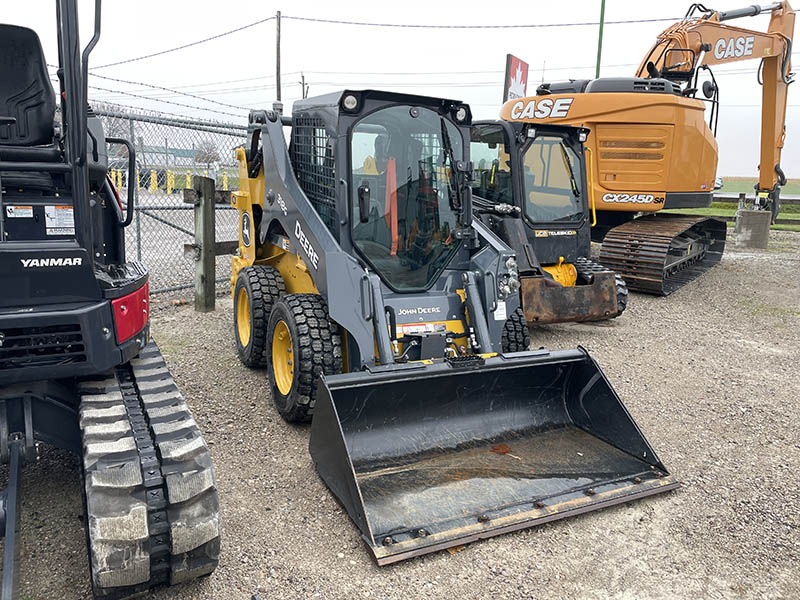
{"type": "Point", "coordinates": [698, 42]}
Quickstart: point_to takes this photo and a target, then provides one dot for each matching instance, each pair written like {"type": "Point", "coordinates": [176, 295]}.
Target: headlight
{"type": "Point", "coordinates": [461, 114]}
{"type": "Point", "coordinates": [583, 136]}
{"type": "Point", "coordinates": [350, 102]}
{"type": "Point", "coordinates": [511, 263]}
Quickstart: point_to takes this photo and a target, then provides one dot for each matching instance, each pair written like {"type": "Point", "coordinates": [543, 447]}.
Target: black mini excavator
{"type": "Point", "coordinates": [78, 369]}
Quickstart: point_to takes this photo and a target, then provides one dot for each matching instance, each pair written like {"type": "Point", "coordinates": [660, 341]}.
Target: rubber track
{"type": "Point", "coordinates": [638, 251]}
{"type": "Point", "coordinates": [516, 336]}
{"type": "Point", "coordinates": [151, 496]}
{"type": "Point", "coordinates": [586, 267]}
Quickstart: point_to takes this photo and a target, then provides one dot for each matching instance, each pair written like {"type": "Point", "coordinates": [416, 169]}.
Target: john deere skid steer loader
{"type": "Point", "coordinates": [78, 369]}
{"type": "Point", "coordinates": [382, 309]}
{"type": "Point", "coordinates": [529, 187]}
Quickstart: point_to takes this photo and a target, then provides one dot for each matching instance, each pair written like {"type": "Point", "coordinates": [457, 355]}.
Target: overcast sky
{"type": "Point", "coordinates": [239, 69]}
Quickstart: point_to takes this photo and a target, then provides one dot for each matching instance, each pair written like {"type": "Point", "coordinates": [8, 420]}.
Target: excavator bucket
{"type": "Point", "coordinates": [428, 456]}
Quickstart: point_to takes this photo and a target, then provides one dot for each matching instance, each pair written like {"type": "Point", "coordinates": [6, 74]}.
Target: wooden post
{"type": "Point", "coordinates": [204, 251]}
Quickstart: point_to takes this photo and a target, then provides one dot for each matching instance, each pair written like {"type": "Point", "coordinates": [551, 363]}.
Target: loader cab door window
{"type": "Point", "coordinates": [401, 177]}
{"type": "Point", "coordinates": [492, 175]}
{"type": "Point", "coordinates": [551, 172]}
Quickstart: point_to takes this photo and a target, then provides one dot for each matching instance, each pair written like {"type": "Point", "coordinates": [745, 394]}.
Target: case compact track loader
{"type": "Point", "coordinates": [529, 187]}
{"type": "Point", "coordinates": [380, 307]}
{"type": "Point", "coordinates": [78, 369]}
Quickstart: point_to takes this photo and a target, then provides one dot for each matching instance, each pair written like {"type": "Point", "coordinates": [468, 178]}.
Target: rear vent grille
{"type": "Point", "coordinates": [41, 346]}
{"type": "Point", "coordinates": [656, 86]}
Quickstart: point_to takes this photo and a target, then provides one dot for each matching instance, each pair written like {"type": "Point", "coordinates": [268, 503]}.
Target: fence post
{"type": "Point", "coordinates": [204, 239]}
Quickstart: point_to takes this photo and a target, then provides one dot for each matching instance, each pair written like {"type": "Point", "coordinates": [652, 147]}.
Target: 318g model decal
{"type": "Point", "coordinates": [635, 198]}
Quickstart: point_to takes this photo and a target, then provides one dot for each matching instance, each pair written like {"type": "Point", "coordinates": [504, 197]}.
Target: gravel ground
{"type": "Point", "coordinates": [710, 375]}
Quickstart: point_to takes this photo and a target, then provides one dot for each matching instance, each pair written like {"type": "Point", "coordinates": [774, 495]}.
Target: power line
{"type": "Point", "coordinates": [514, 26]}
{"type": "Point", "coordinates": [365, 24]}
{"type": "Point", "coordinates": [172, 91]}
{"type": "Point", "coordinates": [94, 87]}
{"type": "Point", "coordinates": [189, 45]}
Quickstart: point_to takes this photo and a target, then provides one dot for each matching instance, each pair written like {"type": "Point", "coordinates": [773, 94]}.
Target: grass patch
{"type": "Point", "coordinates": [737, 185]}
{"type": "Point", "coordinates": [759, 309]}
{"type": "Point", "coordinates": [727, 209]}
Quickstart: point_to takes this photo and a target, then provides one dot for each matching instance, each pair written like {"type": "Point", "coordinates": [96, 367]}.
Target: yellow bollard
{"type": "Point", "coordinates": [170, 181]}
{"type": "Point", "coordinates": [188, 183]}
{"type": "Point", "coordinates": [205, 172]}
{"type": "Point", "coordinates": [225, 181]}
{"type": "Point", "coordinates": [153, 181]}
{"type": "Point", "coordinates": [137, 178]}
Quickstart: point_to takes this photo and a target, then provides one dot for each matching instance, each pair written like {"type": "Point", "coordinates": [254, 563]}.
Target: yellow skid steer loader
{"type": "Point", "coordinates": [380, 307]}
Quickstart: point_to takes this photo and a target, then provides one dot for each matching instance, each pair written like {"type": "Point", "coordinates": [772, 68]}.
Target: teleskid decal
{"type": "Point", "coordinates": [554, 232]}
{"type": "Point", "coordinates": [543, 108]}
{"type": "Point", "coordinates": [734, 47]}
{"type": "Point", "coordinates": [635, 198]}
{"type": "Point", "coordinates": [305, 244]}
{"type": "Point", "coordinates": [51, 262]}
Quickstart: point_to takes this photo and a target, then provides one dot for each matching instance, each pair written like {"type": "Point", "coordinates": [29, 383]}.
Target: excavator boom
{"type": "Point", "coordinates": [654, 146]}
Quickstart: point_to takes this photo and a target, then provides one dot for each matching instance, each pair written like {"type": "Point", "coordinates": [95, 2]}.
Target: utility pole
{"type": "Point", "coordinates": [600, 37]}
{"type": "Point", "coordinates": [278, 54]}
{"type": "Point", "coordinates": [303, 86]}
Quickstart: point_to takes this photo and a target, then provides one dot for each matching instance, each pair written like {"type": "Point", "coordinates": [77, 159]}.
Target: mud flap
{"type": "Point", "coordinates": [428, 456]}
{"type": "Point", "coordinates": [544, 303]}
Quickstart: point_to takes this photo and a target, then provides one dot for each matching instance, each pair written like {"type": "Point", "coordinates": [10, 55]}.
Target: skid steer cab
{"type": "Point", "coordinates": [529, 187]}
{"type": "Point", "coordinates": [380, 307]}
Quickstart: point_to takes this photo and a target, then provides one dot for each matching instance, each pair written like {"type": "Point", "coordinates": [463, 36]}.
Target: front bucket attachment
{"type": "Point", "coordinates": [428, 456]}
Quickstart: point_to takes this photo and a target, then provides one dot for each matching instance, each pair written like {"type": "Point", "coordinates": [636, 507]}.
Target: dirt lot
{"type": "Point", "coordinates": [710, 375]}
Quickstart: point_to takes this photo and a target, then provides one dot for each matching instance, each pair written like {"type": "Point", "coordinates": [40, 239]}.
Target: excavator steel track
{"type": "Point", "coordinates": [658, 254]}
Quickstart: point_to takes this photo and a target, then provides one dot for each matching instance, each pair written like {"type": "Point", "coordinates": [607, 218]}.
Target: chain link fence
{"type": "Point", "coordinates": [169, 153]}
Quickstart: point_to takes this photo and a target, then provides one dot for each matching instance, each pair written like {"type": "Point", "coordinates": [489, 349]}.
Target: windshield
{"type": "Point", "coordinates": [551, 174]}
{"type": "Point", "coordinates": [492, 175]}
{"type": "Point", "coordinates": [401, 162]}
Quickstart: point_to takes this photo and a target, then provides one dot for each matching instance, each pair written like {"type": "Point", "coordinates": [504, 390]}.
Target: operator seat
{"type": "Point", "coordinates": [25, 90]}
{"type": "Point", "coordinates": [27, 108]}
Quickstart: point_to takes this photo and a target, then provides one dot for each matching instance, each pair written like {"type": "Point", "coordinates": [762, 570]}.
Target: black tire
{"type": "Point", "coordinates": [262, 285]}
{"type": "Point", "coordinates": [152, 510]}
{"type": "Point", "coordinates": [622, 295]}
{"type": "Point", "coordinates": [516, 337]}
{"type": "Point", "coordinates": [315, 350]}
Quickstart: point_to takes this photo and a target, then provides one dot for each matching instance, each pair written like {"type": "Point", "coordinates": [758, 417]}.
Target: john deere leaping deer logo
{"type": "Point", "coordinates": [246, 229]}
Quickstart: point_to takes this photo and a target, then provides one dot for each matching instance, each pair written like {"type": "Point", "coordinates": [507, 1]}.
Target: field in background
{"type": "Point", "coordinates": [738, 185]}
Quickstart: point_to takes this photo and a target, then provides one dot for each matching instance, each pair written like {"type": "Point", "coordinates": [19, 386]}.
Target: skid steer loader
{"type": "Point", "coordinates": [380, 307]}
{"type": "Point", "coordinates": [78, 369]}
{"type": "Point", "coordinates": [529, 187]}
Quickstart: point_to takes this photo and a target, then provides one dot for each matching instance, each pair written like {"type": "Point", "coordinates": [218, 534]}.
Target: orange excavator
{"type": "Point", "coordinates": [652, 144]}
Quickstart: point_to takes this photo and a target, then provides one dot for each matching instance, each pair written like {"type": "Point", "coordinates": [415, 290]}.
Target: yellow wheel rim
{"type": "Point", "coordinates": [282, 357]}
{"type": "Point", "coordinates": [243, 316]}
